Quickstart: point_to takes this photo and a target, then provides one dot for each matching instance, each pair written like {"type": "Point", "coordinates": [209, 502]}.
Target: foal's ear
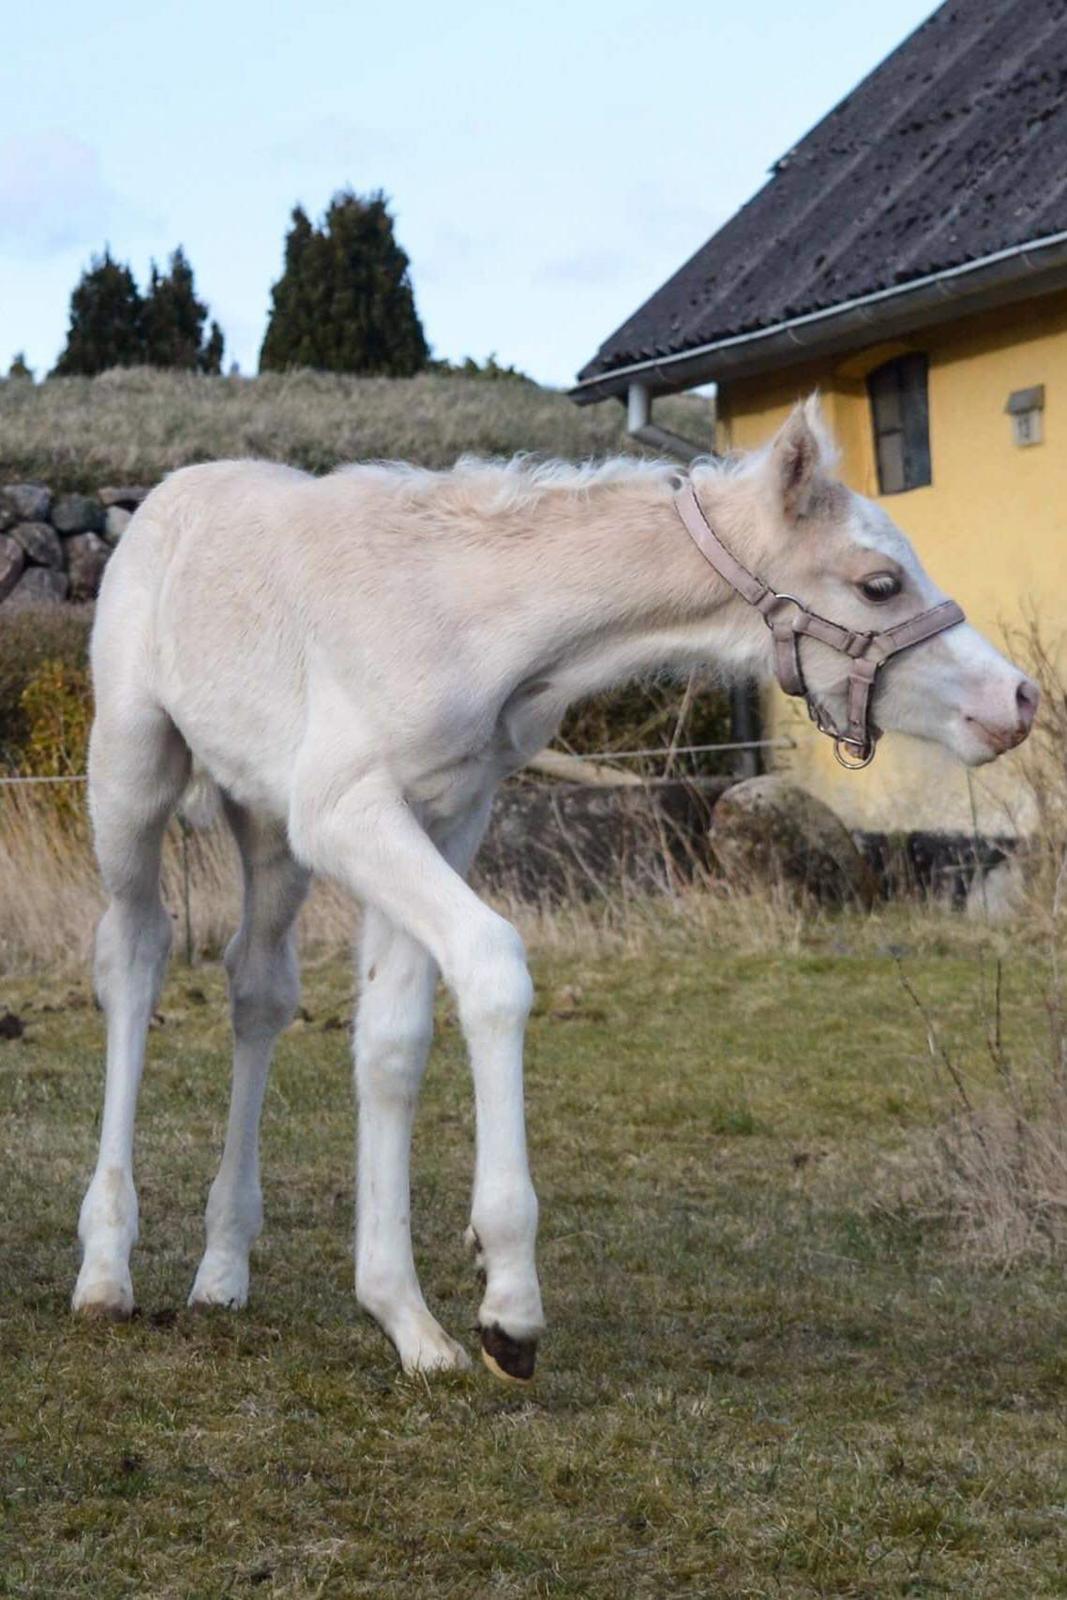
{"type": "Point", "coordinates": [802, 455]}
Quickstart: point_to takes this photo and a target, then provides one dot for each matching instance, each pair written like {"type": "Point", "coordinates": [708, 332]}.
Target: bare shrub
{"type": "Point", "coordinates": [30, 636]}
{"type": "Point", "coordinates": [996, 1167]}
{"type": "Point", "coordinates": [57, 707]}
{"type": "Point", "coordinates": [665, 716]}
{"type": "Point", "coordinates": [1045, 767]}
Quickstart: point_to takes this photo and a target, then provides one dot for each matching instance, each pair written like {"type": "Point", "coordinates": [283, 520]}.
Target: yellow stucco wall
{"type": "Point", "coordinates": [991, 528]}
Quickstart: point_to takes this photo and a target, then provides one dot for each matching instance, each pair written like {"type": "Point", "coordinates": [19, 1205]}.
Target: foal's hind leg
{"type": "Point", "coordinates": [138, 766]}
{"type": "Point", "coordinates": [264, 989]}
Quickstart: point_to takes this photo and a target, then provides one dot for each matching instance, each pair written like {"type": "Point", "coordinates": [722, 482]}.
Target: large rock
{"type": "Point", "coordinates": [554, 840]}
{"type": "Point", "coordinates": [768, 831]}
{"type": "Point", "coordinates": [127, 495]}
{"type": "Point", "coordinates": [87, 556]}
{"type": "Point", "coordinates": [41, 543]}
{"type": "Point", "coordinates": [77, 513]}
{"type": "Point", "coordinates": [38, 586]}
{"type": "Point", "coordinates": [12, 561]}
{"type": "Point", "coordinates": [116, 521]}
{"type": "Point", "coordinates": [998, 895]}
{"type": "Point", "coordinates": [25, 502]}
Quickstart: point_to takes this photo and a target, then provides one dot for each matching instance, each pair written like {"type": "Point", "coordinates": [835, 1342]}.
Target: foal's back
{"type": "Point", "coordinates": [248, 599]}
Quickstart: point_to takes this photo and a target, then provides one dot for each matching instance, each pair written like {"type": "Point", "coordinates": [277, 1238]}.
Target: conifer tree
{"type": "Point", "coordinates": [174, 322]}
{"type": "Point", "coordinates": [289, 340]}
{"type": "Point", "coordinates": [106, 321]}
{"type": "Point", "coordinates": [210, 359]}
{"type": "Point", "coordinates": [113, 325]}
{"type": "Point", "coordinates": [344, 302]}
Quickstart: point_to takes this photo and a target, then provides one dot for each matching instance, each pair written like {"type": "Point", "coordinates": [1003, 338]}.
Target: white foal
{"type": "Point", "coordinates": [356, 662]}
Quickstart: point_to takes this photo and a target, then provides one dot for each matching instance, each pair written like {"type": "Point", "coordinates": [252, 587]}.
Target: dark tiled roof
{"type": "Point", "coordinates": [954, 148]}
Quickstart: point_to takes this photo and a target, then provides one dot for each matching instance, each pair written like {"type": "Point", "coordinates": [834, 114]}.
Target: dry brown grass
{"type": "Point", "coordinates": [136, 424]}
{"type": "Point", "coordinates": [995, 1167]}
{"type": "Point", "coordinates": [50, 896]}
{"type": "Point", "coordinates": [50, 900]}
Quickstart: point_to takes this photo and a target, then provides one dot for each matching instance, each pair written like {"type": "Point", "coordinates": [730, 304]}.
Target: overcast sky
{"type": "Point", "coordinates": [549, 164]}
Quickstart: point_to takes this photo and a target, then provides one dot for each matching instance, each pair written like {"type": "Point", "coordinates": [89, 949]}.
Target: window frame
{"type": "Point", "coordinates": [898, 392]}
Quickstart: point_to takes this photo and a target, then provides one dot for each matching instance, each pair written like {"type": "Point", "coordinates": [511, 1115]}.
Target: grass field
{"type": "Point", "coordinates": [767, 1372]}
{"type": "Point", "coordinates": [135, 425]}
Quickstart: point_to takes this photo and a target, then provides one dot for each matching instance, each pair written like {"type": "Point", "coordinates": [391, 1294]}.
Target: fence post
{"type": "Point", "coordinates": [186, 891]}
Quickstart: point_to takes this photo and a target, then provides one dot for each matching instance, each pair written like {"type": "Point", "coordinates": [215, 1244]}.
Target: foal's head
{"type": "Point", "coordinates": [843, 557]}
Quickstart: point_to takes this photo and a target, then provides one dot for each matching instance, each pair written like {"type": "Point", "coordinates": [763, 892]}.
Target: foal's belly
{"type": "Point", "coordinates": [442, 799]}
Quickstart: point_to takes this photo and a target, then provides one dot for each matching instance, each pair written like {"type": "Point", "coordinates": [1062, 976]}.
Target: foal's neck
{"type": "Point", "coordinates": [618, 587]}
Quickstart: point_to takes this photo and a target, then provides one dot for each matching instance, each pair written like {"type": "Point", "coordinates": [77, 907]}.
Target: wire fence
{"type": "Point", "coordinates": [188, 845]}
{"type": "Point", "coordinates": [19, 778]}
{"type": "Point", "coordinates": [785, 742]}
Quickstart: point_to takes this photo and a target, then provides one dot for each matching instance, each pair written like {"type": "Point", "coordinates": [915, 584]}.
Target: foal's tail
{"type": "Point", "coordinates": [201, 804]}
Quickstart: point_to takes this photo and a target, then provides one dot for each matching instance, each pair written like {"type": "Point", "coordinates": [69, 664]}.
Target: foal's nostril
{"type": "Point", "coordinates": [1027, 696]}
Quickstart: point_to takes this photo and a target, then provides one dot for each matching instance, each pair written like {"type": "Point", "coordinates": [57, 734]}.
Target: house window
{"type": "Point", "coordinates": [901, 417]}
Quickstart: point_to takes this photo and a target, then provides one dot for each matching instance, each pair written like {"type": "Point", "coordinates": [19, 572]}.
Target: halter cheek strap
{"type": "Point", "coordinates": [789, 620]}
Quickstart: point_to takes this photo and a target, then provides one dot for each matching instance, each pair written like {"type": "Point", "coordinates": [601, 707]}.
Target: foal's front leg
{"type": "Point", "coordinates": [370, 840]}
{"type": "Point", "coordinates": [394, 1027]}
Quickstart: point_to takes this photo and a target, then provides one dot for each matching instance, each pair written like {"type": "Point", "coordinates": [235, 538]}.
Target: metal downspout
{"type": "Point", "coordinates": [639, 426]}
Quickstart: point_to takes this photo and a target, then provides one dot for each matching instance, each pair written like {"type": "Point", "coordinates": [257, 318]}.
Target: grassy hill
{"type": "Point", "coordinates": [136, 424]}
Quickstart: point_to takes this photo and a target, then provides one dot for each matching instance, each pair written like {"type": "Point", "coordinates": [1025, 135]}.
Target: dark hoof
{"type": "Point", "coordinates": [508, 1358]}
{"type": "Point", "coordinates": [98, 1312]}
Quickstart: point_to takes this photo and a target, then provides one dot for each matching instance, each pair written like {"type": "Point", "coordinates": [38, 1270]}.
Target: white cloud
{"type": "Point", "coordinates": [53, 196]}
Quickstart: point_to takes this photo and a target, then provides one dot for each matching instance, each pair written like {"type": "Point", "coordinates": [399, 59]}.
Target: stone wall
{"type": "Point", "coordinates": [55, 547]}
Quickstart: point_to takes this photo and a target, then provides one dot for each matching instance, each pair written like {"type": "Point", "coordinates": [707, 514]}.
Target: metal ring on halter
{"type": "Point", "coordinates": [790, 597]}
{"type": "Point", "coordinates": [866, 752]}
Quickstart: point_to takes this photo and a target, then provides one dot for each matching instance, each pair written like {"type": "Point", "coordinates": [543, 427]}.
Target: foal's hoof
{"type": "Point", "coordinates": [220, 1282]}
{"type": "Point", "coordinates": [103, 1302]}
{"type": "Point", "coordinates": [511, 1359]}
{"type": "Point", "coordinates": [424, 1346]}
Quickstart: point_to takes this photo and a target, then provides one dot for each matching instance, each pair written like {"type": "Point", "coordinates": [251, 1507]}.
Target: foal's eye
{"type": "Point", "coordinates": [880, 586]}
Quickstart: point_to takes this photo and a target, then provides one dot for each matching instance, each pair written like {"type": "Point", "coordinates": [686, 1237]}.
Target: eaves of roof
{"type": "Point", "coordinates": [1035, 268]}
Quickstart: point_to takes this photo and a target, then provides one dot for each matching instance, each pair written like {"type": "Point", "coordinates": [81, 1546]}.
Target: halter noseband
{"type": "Point", "coordinates": [788, 618]}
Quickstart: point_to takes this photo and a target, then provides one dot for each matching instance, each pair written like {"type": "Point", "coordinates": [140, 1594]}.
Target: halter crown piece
{"type": "Point", "coordinates": [789, 619]}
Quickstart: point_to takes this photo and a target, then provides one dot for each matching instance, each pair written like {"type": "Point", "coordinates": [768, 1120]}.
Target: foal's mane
{"type": "Point", "coordinates": [499, 485]}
